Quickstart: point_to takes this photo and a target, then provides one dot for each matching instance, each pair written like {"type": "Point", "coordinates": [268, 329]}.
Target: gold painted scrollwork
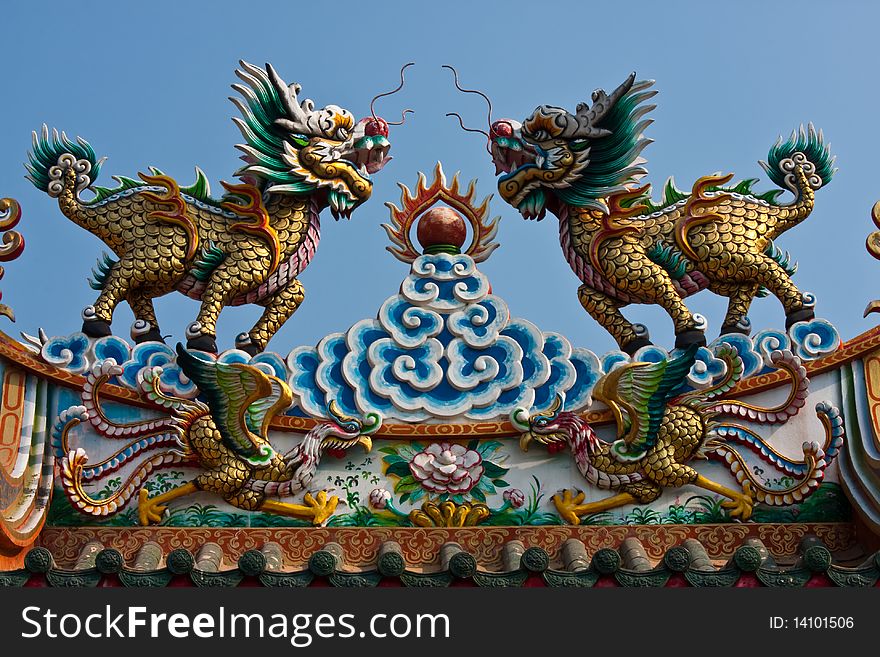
{"type": "Point", "coordinates": [12, 241]}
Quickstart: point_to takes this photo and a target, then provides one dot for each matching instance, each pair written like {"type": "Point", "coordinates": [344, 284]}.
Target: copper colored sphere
{"type": "Point", "coordinates": [441, 226]}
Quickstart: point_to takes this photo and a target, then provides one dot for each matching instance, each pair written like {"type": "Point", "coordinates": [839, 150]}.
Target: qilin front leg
{"type": "Point", "coordinates": [234, 276]}
{"type": "Point", "coordinates": [606, 310]}
{"type": "Point", "coordinates": [651, 283]}
{"type": "Point", "coordinates": [278, 309]}
{"type": "Point", "coordinates": [145, 327]}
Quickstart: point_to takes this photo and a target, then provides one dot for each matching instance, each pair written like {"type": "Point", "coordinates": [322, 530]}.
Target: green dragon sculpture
{"type": "Point", "coordinates": [248, 246]}
{"type": "Point", "coordinates": [584, 168]}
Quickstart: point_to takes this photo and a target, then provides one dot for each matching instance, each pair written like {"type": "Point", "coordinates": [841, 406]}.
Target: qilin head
{"type": "Point", "coordinates": [295, 148]}
{"type": "Point", "coordinates": [557, 157]}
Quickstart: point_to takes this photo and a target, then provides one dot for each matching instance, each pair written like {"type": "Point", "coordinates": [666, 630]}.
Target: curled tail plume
{"type": "Point", "coordinates": [51, 156]}
{"type": "Point", "coordinates": [808, 473]}
{"type": "Point", "coordinates": [99, 375]}
{"type": "Point", "coordinates": [71, 417]}
{"type": "Point", "coordinates": [152, 444]}
{"type": "Point", "coordinates": [74, 464]}
{"type": "Point", "coordinates": [797, 396]}
{"type": "Point", "coordinates": [63, 168]}
{"type": "Point", "coordinates": [802, 164]}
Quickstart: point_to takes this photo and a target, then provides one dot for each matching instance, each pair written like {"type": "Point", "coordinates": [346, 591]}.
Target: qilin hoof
{"type": "Point", "coordinates": [742, 327]}
{"type": "Point", "coordinates": [567, 503]}
{"type": "Point", "coordinates": [247, 345]}
{"type": "Point", "coordinates": [142, 331]}
{"type": "Point", "coordinates": [321, 508]}
{"type": "Point", "coordinates": [802, 315]}
{"type": "Point", "coordinates": [96, 328]}
{"type": "Point", "coordinates": [690, 337]}
{"type": "Point", "coordinates": [153, 335]}
{"type": "Point", "coordinates": [202, 343]}
{"type": "Point", "coordinates": [635, 344]}
{"type": "Point", "coordinates": [148, 511]}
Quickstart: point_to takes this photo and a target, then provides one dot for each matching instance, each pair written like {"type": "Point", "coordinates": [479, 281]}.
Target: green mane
{"type": "Point", "coordinates": [260, 107]}
{"type": "Point", "coordinates": [614, 160]}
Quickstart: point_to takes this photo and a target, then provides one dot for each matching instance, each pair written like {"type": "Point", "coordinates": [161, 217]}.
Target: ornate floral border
{"type": "Point", "coordinates": [421, 546]}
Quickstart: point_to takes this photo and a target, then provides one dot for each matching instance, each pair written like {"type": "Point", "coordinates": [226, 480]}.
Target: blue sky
{"type": "Point", "coordinates": [147, 84]}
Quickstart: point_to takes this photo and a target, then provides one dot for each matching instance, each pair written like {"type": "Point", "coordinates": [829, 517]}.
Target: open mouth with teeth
{"type": "Point", "coordinates": [337, 445]}
{"type": "Point", "coordinates": [509, 155]}
{"type": "Point", "coordinates": [367, 156]}
{"type": "Point", "coordinates": [527, 171]}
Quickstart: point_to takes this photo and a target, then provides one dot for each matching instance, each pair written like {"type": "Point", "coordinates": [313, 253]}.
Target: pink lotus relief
{"type": "Point", "coordinates": [447, 468]}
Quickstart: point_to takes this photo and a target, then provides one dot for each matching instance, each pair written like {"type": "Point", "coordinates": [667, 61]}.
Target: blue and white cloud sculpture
{"type": "Point", "coordinates": [443, 347]}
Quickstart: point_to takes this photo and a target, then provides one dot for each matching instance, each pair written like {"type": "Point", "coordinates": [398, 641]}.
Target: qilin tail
{"type": "Point", "coordinates": [807, 474]}
{"type": "Point", "coordinates": [801, 164]}
{"type": "Point", "coordinates": [63, 168]}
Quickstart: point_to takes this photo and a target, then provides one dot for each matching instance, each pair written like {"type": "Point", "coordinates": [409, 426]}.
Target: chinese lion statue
{"type": "Point", "coordinates": [625, 248]}
{"type": "Point", "coordinates": [247, 247]}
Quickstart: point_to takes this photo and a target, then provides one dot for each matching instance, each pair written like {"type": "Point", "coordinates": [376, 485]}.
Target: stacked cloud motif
{"type": "Point", "coordinates": [443, 347]}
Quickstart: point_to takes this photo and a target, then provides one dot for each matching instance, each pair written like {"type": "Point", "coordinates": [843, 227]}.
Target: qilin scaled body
{"type": "Point", "coordinates": [625, 248]}
{"type": "Point", "coordinates": [227, 438]}
{"type": "Point", "coordinates": [661, 431]}
{"type": "Point", "coordinates": [247, 247]}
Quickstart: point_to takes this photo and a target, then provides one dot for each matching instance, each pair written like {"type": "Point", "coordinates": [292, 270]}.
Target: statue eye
{"type": "Point", "coordinates": [351, 427]}
{"type": "Point", "coordinates": [300, 140]}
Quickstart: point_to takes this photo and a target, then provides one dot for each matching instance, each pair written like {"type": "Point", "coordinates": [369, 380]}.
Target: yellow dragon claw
{"type": "Point", "coordinates": [321, 508]}
{"type": "Point", "coordinates": [148, 510]}
{"type": "Point", "coordinates": [567, 503]}
{"type": "Point", "coordinates": [741, 506]}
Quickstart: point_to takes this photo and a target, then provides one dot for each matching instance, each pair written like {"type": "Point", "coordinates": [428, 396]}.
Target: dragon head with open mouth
{"type": "Point", "coordinates": [579, 159]}
{"type": "Point", "coordinates": [292, 147]}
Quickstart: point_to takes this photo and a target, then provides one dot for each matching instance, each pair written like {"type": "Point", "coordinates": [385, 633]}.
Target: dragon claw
{"type": "Point", "coordinates": [741, 506]}
{"type": "Point", "coordinates": [321, 506]}
{"type": "Point", "coordinates": [148, 510]}
{"type": "Point", "coordinates": [567, 503]}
